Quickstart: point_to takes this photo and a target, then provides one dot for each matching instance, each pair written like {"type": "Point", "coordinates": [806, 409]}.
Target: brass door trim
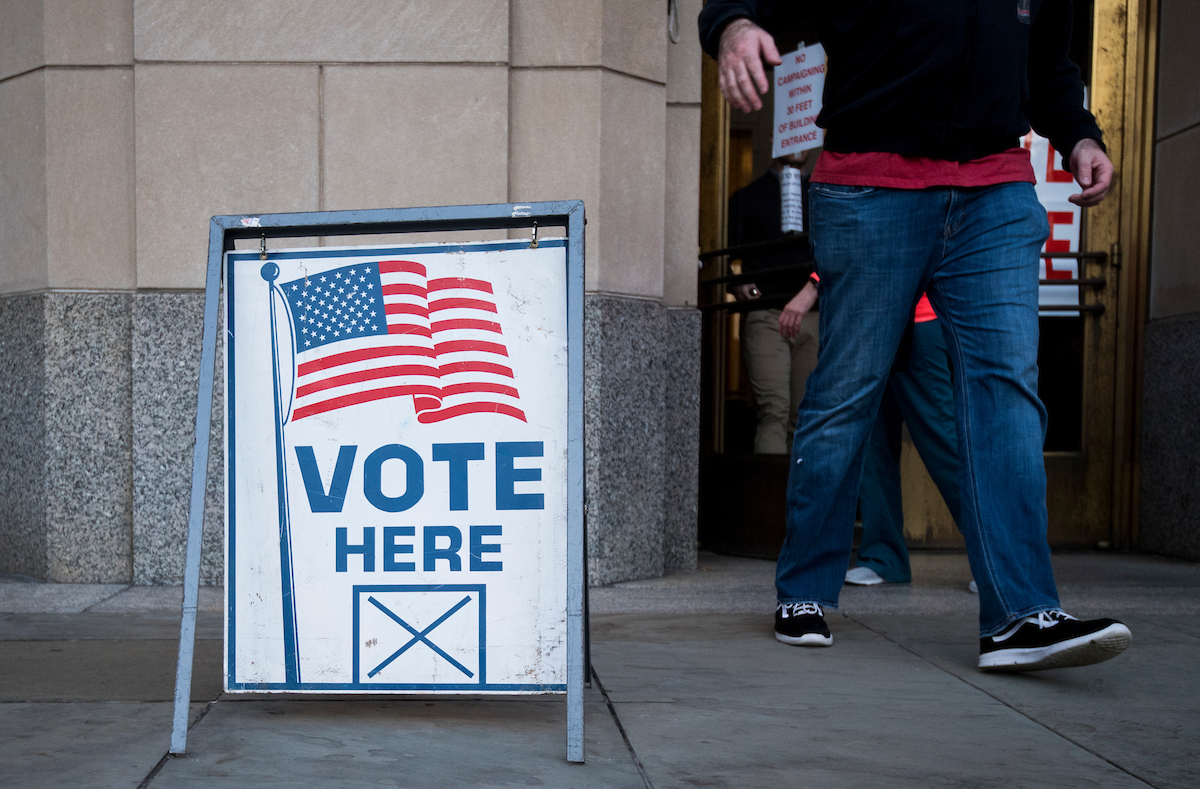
{"type": "Point", "coordinates": [1124, 55]}
{"type": "Point", "coordinates": [714, 215]}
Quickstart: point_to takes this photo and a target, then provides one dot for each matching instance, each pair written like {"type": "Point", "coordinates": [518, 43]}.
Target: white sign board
{"type": "Point", "coordinates": [799, 83]}
{"type": "Point", "coordinates": [1054, 185]}
{"type": "Point", "coordinates": [396, 475]}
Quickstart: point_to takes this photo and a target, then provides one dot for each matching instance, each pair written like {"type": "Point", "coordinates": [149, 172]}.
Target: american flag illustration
{"type": "Point", "coordinates": [375, 330]}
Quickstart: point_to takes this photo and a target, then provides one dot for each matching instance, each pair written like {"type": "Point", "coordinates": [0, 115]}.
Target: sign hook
{"type": "Point", "coordinates": [534, 243]}
{"type": "Point", "coordinates": [262, 247]}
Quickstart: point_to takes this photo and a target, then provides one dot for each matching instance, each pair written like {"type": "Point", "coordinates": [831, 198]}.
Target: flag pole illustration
{"type": "Point", "coordinates": [376, 330]}
{"type": "Point", "coordinates": [291, 648]}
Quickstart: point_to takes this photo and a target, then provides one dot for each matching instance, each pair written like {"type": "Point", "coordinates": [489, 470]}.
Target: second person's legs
{"type": "Point", "coordinates": [880, 503]}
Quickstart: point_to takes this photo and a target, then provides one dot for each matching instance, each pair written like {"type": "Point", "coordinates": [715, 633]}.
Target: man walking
{"type": "Point", "coordinates": [923, 187]}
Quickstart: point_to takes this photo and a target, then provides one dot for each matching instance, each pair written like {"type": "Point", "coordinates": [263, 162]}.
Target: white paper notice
{"type": "Point", "coordinates": [799, 83]}
{"type": "Point", "coordinates": [792, 200]}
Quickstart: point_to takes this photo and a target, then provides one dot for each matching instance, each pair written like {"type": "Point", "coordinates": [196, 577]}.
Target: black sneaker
{"type": "Point", "coordinates": [1053, 639]}
{"type": "Point", "coordinates": [802, 625]}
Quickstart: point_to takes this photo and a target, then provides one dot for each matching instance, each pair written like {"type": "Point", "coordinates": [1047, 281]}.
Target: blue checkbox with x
{"type": "Point", "coordinates": [419, 637]}
{"type": "Point", "coordinates": [430, 635]}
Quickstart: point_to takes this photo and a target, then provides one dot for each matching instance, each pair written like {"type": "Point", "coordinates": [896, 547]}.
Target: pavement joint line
{"type": "Point", "coordinates": [105, 600]}
{"type": "Point", "coordinates": [85, 638]}
{"type": "Point", "coordinates": [624, 736]}
{"type": "Point", "coordinates": [154, 771]}
{"type": "Point", "coordinates": [993, 696]}
{"type": "Point", "coordinates": [85, 701]}
{"type": "Point", "coordinates": [1169, 629]}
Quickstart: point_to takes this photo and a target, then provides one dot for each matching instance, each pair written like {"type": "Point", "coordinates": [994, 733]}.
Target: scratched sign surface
{"type": "Point", "coordinates": [396, 465]}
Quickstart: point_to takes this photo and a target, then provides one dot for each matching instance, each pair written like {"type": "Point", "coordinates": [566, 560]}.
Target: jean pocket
{"type": "Point", "coordinates": [842, 191]}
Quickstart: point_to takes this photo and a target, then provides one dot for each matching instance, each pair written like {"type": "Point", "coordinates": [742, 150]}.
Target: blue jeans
{"type": "Point", "coordinates": [921, 395]}
{"type": "Point", "coordinates": [975, 251]}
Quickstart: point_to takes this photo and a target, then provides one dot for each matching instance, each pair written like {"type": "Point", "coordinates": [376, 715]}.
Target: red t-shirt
{"type": "Point", "coordinates": [894, 171]}
{"type": "Point", "coordinates": [924, 312]}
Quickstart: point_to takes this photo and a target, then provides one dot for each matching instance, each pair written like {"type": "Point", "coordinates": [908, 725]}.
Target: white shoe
{"type": "Point", "coordinates": [973, 588]}
{"type": "Point", "coordinates": [863, 576]}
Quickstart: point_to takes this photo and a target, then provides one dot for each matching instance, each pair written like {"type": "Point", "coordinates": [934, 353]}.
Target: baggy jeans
{"type": "Point", "coordinates": [975, 251]}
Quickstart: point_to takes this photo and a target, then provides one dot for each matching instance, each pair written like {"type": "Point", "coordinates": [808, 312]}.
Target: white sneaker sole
{"type": "Point", "coordinates": [866, 578]}
{"type": "Point", "coordinates": [1081, 651]}
{"type": "Point", "coordinates": [806, 640]}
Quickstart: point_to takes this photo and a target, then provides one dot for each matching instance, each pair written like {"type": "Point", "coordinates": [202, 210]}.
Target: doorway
{"type": "Point", "coordinates": [1092, 277]}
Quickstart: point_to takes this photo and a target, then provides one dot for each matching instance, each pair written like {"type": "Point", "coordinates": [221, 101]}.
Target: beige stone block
{"type": "Point", "coordinates": [89, 178]}
{"type": "Point", "coordinates": [322, 31]}
{"type": "Point", "coordinates": [632, 188]}
{"type": "Point", "coordinates": [1175, 260]}
{"type": "Point", "coordinates": [1178, 68]}
{"type": "Point", "coordinates": [218, 140]}
{"type": "Point", "coordinates": [400, 136]}
{"type": "Point", "coordinates": [23, 183]}
{"type": "Point", "coordinates": [629, 36]}
{"type": "Point", "coordinates": [682, 231]}
{"type": "Point", "coordinates": [89, 32]}
{"type": "Point", "coordinates": [684, 58]}
{"type": "Point", "coordinates": [403, 136]}
{"type": "Point", "coordinates": [596, 136]}
{"type": "Point", "coordinates": [635, 38]}
{"type": "Point", "coordinates": [21, 39]}
{"type": "Point", "coordinates": [555, 33]}
{"type": "Point", "coordinates": [555, 148]}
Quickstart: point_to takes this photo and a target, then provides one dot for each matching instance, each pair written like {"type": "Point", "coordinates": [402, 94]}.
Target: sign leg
{"type": "Point", "coordinates": [577, 646]}
{"type": "Point", "coordinates": [191, 571]}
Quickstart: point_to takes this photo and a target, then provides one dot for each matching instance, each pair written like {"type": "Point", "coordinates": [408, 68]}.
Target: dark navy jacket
{"type": "Point", "coordinates": [945, 79]}
{"type": "Point", "coordinates": [756, 214]}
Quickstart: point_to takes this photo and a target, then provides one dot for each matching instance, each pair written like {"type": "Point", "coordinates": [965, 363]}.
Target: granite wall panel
{"type": "Point", "coordinates": [167, 335]}
{"type": "Point", "coordinates": [23, 435]}
{"type": "Point", "coordinates": [624, 390]}
{"type": "Point", "coordinates": [97, 396]}
{"type": "Point", "coordinates": [681, 437]}
{"type": "Point", "coordinates": [1170, 516]}
{"type": "Point", "coordinates": [87, 477]}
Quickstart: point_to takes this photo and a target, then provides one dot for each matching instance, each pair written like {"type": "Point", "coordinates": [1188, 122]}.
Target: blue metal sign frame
{"type": "Point", "coordinates": [224, 231]}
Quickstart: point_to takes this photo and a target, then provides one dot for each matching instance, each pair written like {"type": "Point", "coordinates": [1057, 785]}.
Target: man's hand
{"type": "Point", "coordinates": [1091, 169]}
{"type": "Point", "coordinates": [747, 292]}
{"type": "Point", "coordinates": [796, 309]}
{"type": "Point", "coordinates": [744, 47]}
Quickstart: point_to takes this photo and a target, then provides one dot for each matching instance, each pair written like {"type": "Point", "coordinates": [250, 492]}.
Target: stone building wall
{"type": "Point", "coordinates": [1170, 517]}
{"type": "Point", "coordinates": [126, 124]}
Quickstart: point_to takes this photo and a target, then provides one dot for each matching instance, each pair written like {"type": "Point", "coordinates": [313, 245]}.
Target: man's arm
{"type": "Point", "coordinates": [793, 313]}
{"type": "Point", "coordinates": [719, 13]}
{"type": "Point", "coordinates": [1056, 106]}
{"type": "Point", "coordinates": [744, 47]}
{"type": "Point", "coordinates": [732, 31]}
{"type": "Point", "coordinates": [1092, 169]}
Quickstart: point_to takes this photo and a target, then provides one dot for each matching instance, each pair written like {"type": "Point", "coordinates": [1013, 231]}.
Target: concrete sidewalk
{"type": "Point", "coordinates": [693, 691]}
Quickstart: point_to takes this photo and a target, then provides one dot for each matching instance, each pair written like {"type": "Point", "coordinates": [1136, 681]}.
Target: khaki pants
{"type": "Point", "coordinates": [777, 369]}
